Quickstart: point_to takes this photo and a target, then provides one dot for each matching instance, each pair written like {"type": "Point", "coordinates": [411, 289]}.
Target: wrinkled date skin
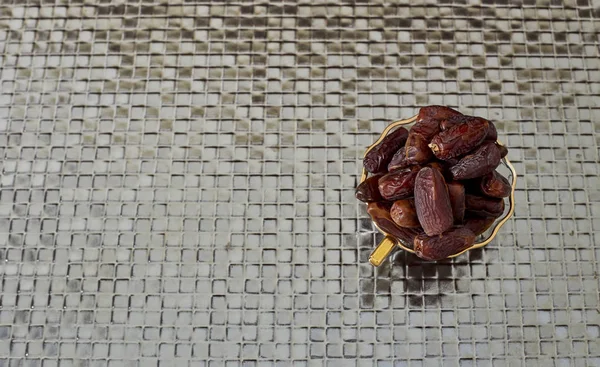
{"type": "Point", "coordinates": [381, 216]}
{"type": "Point", "coordinates": [495, 185]}
{"type": "Point", "coordinates": [451, 121]}
{"type": "Point", "coordinates": [437, 113]}
{"type": "Point", "coordinates": [432, 202]}
{"type": "Point", "coordinates": [404, 214]}
{"type": "Point", "coordinates": [368, 190]}
{"type": "Point", "coordinates": [376, 161]}
{"type": "Point", "coordinates": [399, 184]}
{"type": "Point", "coordinates": [426, 127]}
{"type": "Point", "coordinates": [440, 247]}
{"type": "Point", "coordinates": [492, 133]}
{"type": "Point", "coordinates": [483, 160]}
{"type": "Point", "coordinates": [459, 139]}
{"type": "Point", "coordinates": [417, 150]}
{"type": "Point", "coordinates": [456, 190]}
{"type": "Point", "coordinates": [398, 160]}
{"type": "Point", "coordinates": [483, 207]}
{"type": "Point", "coordinates": [420, 154]}
{"type": "Point", "coordinates": [478, 225]}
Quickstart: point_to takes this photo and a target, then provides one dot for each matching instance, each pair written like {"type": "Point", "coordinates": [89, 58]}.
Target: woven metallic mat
{"type": "Point", "coordinates": [177, 183]}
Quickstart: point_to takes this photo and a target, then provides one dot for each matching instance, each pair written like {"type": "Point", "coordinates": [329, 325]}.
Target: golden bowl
{"type": "Point", "coordinates": [389, 242]}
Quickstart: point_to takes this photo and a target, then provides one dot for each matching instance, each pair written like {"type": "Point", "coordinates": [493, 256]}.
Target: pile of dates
{"type": "Point", "coordinates": [436, 186]}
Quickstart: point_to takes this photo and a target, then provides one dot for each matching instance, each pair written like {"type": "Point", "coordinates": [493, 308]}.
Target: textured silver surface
{"type": "Point", "coordinates": [177, 183]}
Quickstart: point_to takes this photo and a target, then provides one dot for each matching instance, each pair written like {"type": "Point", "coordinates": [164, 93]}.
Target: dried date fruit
{"type": "Point", "coordinates": [492, 133]}
{"type": "Point", "coordinates": [404, 214]}
{"type": "Point", "coordinates": [483, 207]}
{"type": "Point", "coordinates": [451, 121]}
{"type": "Point", "coordinates": [417, 150]}
{"type": "Point", "coordinates": [447, 124]}
{"type": "Point", "coordinates": [456, 190]}
{"type": "Point", "coordinates": [368, 190]}
{"type": "Point", "coordinates": [432, 202]}
{"type": "Point", "coordinates": [483, 160]}
{"type": "Point", "coordinates": [382, 218]}
{"type": "Point", "coordinates": [418, 153]}
{"type": "Point", "coordinates": [440, 247]}
{"type": "Point", "coordinates": [426, 127]}
{"type": "Point", "coordinates": [437, 113]}
{"type": "Point", "coordinates": [398, 184]}
{"type": "Point", "coordinates": [398, 160]}
{"type": "Point", "coordinates": [479, 225]}
{"type": "Point", "coordinates": [495, 185]}
{"type": "Point", "coordinates": [459, 139]}
{"type": "Point", "coordinates": [503, 150]}
{"type": "Point", "coordinates": [377, 159]}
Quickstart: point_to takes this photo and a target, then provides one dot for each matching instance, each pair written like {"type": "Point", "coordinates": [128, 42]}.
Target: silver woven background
{"type": "Point", "coordinates": [177, 183]}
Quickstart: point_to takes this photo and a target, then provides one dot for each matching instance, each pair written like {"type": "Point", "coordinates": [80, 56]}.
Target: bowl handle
{"type": "Point", "coordinates": [382, 251]}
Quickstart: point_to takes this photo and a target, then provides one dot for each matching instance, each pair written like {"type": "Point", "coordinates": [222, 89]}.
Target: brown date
{"type": "Point", "coordinates": [456, 190]}
{"type": "Point", "coordinates": [417, 150]}
{"type": "Point", "coordinates": [398, 184]}
{"type": "Point", "coordinates": [440, 247]}
{"type": "Point", "coordinates": [483, 207]}
{"type": "Point", "coordinates": [426, 127]}
{"type": "Point", "coordinates": [404, 214]}
{"type": "Point", "coordinates": [419, 155]}
{"type": "Point", "coordinates": [437, 112]}
{"type": "Point", "coordinates": [377, 159]}
{"type": "Point", "coordinates": [398, 160]}
{"type": "Point", "coordinates": [492, 133]}
{"type": "Point", "coordinates": [447, 123]}
{"type": "Point", "coordinates": [479, 225]}
{"type": "Point", "coordinates": [503, 150]}
{"type": "Point", "coordinates": [483, 160]}
{"type": "Point", "coordinates": [495, 185]}
{"type": "Point", "coordinates": [432, 202]}
{"type": "Point", "coordinates": [368, 190]}
{"type": "Point", "coordinates": [382, 218]}
{"type": "Point", "coordinates": [459, 139]}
